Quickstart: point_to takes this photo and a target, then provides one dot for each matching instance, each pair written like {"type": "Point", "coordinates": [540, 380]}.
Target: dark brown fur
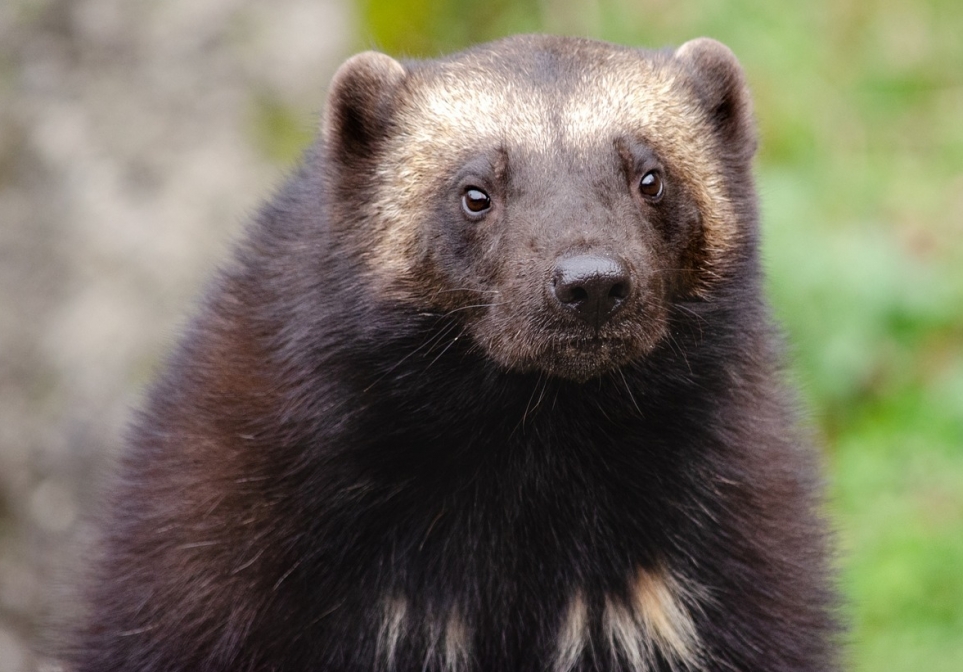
{"type": "Point", "coordinates": [387, 442]}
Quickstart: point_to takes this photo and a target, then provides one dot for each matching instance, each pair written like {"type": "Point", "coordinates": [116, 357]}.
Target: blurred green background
{"type": "Point", "coordinates": [860, 105]}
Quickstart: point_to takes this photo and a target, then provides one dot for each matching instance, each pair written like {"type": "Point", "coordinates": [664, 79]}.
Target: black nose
{"type": "Point", "coordinates": [593, 286]}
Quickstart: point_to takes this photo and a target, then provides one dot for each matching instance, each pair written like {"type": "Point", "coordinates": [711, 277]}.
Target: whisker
{"type": "Point", "coordinates": [427, 344]}
{"type": "Point", "coordinates": [691, 312]}
{"type": "Point", "coordinates": [699, 318]}
{"type": "Point", "coordinates": [528, 406]}
{"type": "Point", "coordinates": [443, 351]}
{"type": "Point", "coordinates": [678, 346]}
{"type": "Point", "coordinates": [467, 290]}
{"type": "Point", "coordinates": [541, 395]}
{"type": "Point", "coordinates": [629, 390]}
{"type": "Point", "coordinates": [477, 305]}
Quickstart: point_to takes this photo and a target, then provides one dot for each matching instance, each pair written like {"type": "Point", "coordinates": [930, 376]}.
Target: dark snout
{"type": "Point", "coordinates": [593, 287]}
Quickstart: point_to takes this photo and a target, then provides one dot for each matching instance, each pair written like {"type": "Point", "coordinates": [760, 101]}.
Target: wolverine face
{"type": "Point", "coordinates": [561, 259]}
{"type": "Point", "coordinates": [554, 195]}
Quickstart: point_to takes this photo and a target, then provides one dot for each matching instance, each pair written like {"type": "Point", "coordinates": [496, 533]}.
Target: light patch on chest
{"type": "Point", "coordinates": [455, 646]}
{"type": "Point", "coordinates": [446, 636]}
{"type": "Point", "coordinates": [393, 627]}
{"type": "Point", "coordinates": [658, 604]}
{"type": "Point", "coordinates": [654, 620]}
{"type": "Point", "coordinates": [573, 635]}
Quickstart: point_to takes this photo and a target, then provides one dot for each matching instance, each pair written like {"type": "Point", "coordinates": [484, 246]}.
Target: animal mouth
{"type": "Point", "coordinates": [583, 357]}
{"type": "Point", "coordinates": [559, 344]}
{"type": "Point", "coordinates": [602, 346]}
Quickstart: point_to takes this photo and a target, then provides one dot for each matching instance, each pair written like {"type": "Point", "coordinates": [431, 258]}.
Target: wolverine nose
{"type": "Point", "coordinates": [592, 286]}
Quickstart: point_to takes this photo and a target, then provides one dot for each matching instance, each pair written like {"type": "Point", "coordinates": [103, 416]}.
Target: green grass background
{"type": "Point", "coordinates": [860, 107]}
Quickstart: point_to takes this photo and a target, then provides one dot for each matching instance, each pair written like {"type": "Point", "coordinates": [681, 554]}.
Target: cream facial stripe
{"type": "Point", "coordinates": [473, 107]}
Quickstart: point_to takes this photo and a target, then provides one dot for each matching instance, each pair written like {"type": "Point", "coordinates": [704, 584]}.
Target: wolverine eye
{"type": "Point", "coordinates": [475, 202]}
{"type": "Point", "coordinates": [651, 186]}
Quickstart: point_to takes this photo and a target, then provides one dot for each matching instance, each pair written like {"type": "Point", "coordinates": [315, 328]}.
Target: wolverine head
{"type": "Point", "coordinates": [556, 196]}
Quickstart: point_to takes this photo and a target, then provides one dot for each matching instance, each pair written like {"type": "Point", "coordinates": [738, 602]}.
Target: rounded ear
{"type": "Point", "coordinates": [360, 105]}
{"type": "Point", "coordinates": [720, 83]}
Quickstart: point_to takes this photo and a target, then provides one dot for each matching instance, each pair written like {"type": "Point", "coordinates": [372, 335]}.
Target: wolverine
{"type": "Point", "coordinates": [490, 385]}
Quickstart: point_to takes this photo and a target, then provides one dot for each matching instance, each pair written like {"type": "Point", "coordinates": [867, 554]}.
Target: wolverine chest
{"type": "Point", "coordinates": [540, 572]}
{"type": "Point", "coordinates": [537, 583]}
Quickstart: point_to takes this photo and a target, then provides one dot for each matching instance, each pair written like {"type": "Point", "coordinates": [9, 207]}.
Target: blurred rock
{"type": "Point", "coordinates": [13, 657]}
{"type": "Point", "coordinates": [128, 160]}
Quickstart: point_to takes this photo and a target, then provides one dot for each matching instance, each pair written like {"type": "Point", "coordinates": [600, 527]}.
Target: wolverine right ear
{"type": "Point", "coordinates": [360, 104]}
{"type": "Point", "coordinates": [721, 85]}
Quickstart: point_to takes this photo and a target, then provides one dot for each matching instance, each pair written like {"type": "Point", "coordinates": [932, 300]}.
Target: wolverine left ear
{"type": "Point", "coordinates": [361, 102]}
{"type": "Point", "coordinates": [721, 86]}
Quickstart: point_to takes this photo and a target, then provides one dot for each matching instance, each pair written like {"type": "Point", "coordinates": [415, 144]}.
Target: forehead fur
{"type": "Point", "coordinates": [547, 97]}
